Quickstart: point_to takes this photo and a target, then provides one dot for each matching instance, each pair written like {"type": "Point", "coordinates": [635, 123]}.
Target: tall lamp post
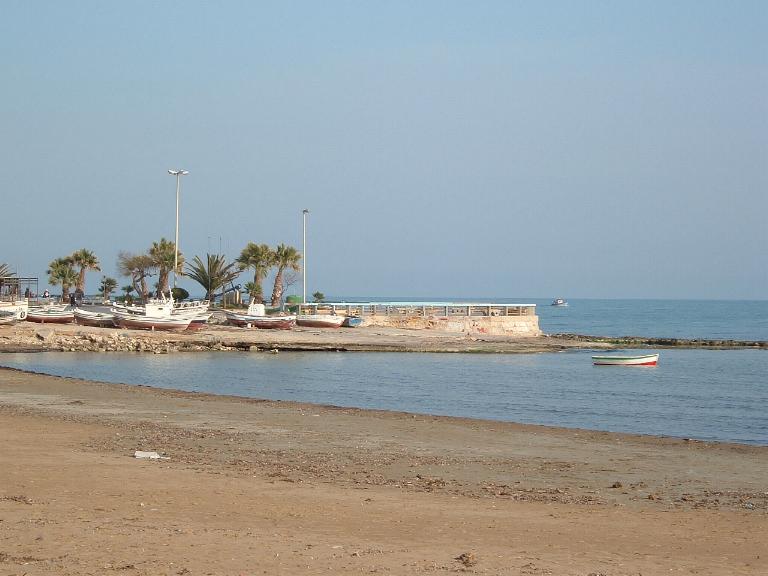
{"type": "Point", "coordinates": [304, 252]}
{"type": "Point", "coordinates": [178, 174]}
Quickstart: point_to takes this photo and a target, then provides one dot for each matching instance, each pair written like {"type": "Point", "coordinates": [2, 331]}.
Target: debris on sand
{"type": "Point", "coordinates": [467, 558]}
{"type": "Point", "coordinates": [149, 455]}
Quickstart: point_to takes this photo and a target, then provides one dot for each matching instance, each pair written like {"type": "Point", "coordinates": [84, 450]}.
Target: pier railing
{"type": "Point", "coordinates": [416, 309]}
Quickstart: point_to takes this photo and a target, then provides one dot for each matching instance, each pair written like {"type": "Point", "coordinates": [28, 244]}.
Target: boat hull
{"type": "Point", "coordinates": [262, 322]}
{"type": "Point", "coordinates": [352, 322]}
{"type": "Point", "coordinates": [18, 308]}
{"type": "Point", "coordinates": [319, 320]}
{"type": "Point", "coordinates": [136, 322]}
{"type": "Point", "coordinates": [644, 360]}
{"type": "Point", "coordinates": [51, 317]}
{"type": "Point", "coordinates": [95, 319]}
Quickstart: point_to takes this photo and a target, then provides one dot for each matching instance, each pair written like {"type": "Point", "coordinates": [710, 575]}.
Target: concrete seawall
{"type": "Point", "coordinates": [493, 319]}
{"type": "Point", "coordinates": [523, 326]}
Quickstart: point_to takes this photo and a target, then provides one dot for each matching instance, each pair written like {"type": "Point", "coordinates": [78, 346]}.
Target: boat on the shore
{"type": "Point", "coordinates": [154, 315]}
{"type": "Point", "coordinates": [91, 318]}
{"type": "Point", "coordinates": [51, 314]}
{"type": "Point", "coordinates": [198, 320]}
{"type": "Point", "coordinates": [612, 360]}
{"type": "Point", "coordinates": [263, 322]}
{"type": "Point", "coordinates": [17, 307]}
{"type": "Point", "coordinates": [559, 302]}
{"type": "Point", "coordinates": [320, 320]}
{"type": "Point", "coordinates": [352, 321]}
{"type": "Point", "coordinates": [143, 322]}
{"type": "Point", "coordinates": [256, 317]}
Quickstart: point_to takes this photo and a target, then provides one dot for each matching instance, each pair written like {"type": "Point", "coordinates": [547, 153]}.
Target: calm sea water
{"type": "Point", "coordinates": [704, 394]}
{"type": "Point", "coordinates": [709, 319]}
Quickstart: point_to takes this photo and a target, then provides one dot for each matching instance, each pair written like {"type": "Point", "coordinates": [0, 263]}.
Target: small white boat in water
{"type": "Point", "coordinates": [559, 302]}
{"type": "Point", "coordinates": [642, 360]}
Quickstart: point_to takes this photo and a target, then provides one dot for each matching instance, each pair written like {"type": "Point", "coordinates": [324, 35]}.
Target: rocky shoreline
{"type": "Point", "coordinates": [641, 341]}
{"type": "Point", "coordinates": [29, 337]}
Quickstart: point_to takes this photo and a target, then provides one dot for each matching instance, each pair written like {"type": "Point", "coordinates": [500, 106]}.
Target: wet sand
{"type": "Point", "coordinates": [263, 487]}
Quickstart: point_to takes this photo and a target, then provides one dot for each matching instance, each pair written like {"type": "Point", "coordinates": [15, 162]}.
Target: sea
{"type": "Point", "coordinates": [710, 395]}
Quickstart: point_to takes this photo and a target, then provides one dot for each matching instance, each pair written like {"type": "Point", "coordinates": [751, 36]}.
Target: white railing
{"type": "Point", "coordinates": [442, 309]}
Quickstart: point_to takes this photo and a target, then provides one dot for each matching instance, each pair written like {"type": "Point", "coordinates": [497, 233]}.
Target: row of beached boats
{"type": "Point", "coordinates": [165, 314]}
{"type": "Point", "coordinates": [256, 317]}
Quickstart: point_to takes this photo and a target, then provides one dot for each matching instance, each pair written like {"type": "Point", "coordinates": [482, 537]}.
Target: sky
{"type": "Point", "coordinates": [593, 149]}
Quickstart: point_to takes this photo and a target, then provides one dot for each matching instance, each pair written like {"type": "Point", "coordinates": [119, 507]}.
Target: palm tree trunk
{"type": "Point", "coordinates": [277, 291]}
{"type": "Point", "coordinates": [258, 279]}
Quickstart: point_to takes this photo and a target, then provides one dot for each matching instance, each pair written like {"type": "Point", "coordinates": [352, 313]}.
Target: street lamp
{"type": "Point", "coordinates": [178, 174]}
{"type": "Point", "coordinates": [304, 252]}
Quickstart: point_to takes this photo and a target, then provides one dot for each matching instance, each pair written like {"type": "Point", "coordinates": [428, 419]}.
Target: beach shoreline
{"type": "Point", "coordinates": [30, 337]}
{"type": "Point", "coordinates": [256, 486]}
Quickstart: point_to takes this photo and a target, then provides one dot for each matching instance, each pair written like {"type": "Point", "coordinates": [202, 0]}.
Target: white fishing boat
{"type": "Point", "coordinates": [615, 360]}
{"type": "Point", "coordinates": [154, 315]}
{"type": "Point", "coordinates": [17, 307]}
{"type": "Point", "coordinates": [51, 314]}
{"type": "Point", "coordinates": [320, 320]}
{"type": "Point", "coordinates": [256, 317]}
{"type": "Point", "coordinates": [93, 318]}
{"type": "Point", "coordinates": [559, 302]}
{"type": "Point", "coordinates": [138, 322]}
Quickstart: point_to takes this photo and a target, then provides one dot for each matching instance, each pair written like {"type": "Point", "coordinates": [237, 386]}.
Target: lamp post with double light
{"type": "Point", "coordinates": [304, 252]}
{"type": "Point", "coordinates": [178, 174]}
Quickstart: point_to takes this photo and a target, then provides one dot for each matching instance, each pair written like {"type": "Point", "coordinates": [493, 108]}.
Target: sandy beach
{"type": "Point", "coordinates": [262, 487]}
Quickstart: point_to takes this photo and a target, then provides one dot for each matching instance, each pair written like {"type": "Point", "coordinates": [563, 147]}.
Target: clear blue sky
{"type": "Point", "coordinates": [453, 149]}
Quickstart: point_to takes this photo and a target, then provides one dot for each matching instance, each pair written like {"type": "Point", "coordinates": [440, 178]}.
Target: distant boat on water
{"type": "Point", "coordinates": [559, 302]}
{"type": "Point", "coordinates": [642, 360]}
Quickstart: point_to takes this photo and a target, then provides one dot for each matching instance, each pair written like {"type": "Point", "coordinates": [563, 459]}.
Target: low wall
{"type": "Point", "coordinates": [491, 325]}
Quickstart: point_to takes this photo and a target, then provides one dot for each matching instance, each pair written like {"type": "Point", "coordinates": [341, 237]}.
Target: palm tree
{"type": "Point", "coordinates": [87, 261]}
{"type": "Point", "coordinates": [107, 286]}
{"type": "Point", "coordinates": [138, 267]}
{"type": "Point", "coordinates": [213, 274]}
{"type": "Point", "coordinates": [163, 254]}
{"type": "Point", "coordinates": [127, 289]}
{"type": "Point", "coordinates": [260, 258]}
{"type": "Point", "coordinates": [285, 257]}
{"type": "Point", "coordinates": [61, 272]}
